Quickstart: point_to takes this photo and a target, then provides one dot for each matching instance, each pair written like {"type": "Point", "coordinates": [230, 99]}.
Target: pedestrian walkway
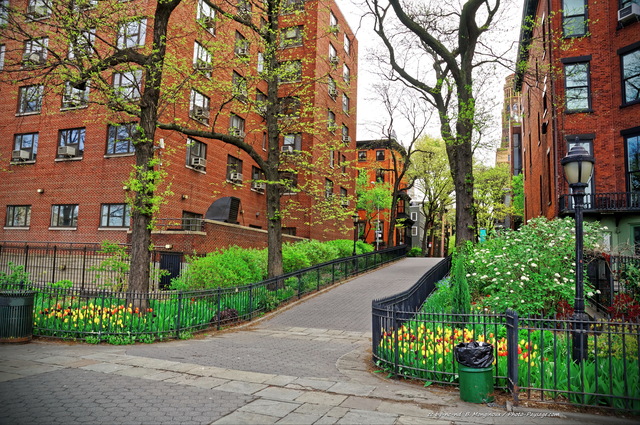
{"type": "Point", "coordinates": [309, 363]}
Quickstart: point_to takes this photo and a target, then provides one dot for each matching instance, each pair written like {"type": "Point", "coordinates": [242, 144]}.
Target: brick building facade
{"type": "Point", "coordinates": [67, 155]}
{"type": "Point", "coordinates": [581, 85]}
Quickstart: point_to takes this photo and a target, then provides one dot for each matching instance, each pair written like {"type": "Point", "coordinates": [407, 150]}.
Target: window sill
{"type": "Point", "coordinates": [578, 111]}
{"type": "Point", "coordinates": [73, 108]}
{"type": "Point", "coordinates": [16, 228]}
{"type": "Point", "coordinates": [118, 155]}
{"type": "Point", "coordinates": [197, 170]}
{"type": "Point", "coordinates": [260, 191]}
{"type": "Point", "coordinates": [75, 158]}
{"type": "Point", "coordinates": [29, 162]}
{"type": "Point", "coordinates": [235, 183]}
{"type": "Point", "coordinates": [63, 228]}
{"type": "Point", "coordinates": [117, 229]}
{"type": "Point", "coordinates": [25, 114]}
{"type": "Point", "coordinates": [635, 102]}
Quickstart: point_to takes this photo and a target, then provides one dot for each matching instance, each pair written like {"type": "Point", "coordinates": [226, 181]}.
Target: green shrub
{"type": "Point", "coordinates": [16, 277]}
{"type": "Point", "coordinates": [415, 252]}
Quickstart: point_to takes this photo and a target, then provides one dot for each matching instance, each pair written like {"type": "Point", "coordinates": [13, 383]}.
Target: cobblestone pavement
{"type": "Point", "coordinates": [307, 364]}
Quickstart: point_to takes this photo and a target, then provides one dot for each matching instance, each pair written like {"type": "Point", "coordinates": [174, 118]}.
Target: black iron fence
{"type": "Point", "coordinates": [603, 202]}
{"type": "Point", "coordinates": [119, 317]}
{"type": "Point", "coordinates": [533, 356]}
{"type": "Point", "coordinates": [612, 276]}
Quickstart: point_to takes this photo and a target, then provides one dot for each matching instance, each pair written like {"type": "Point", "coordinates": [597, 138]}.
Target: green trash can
{"type": "Point", "coordinates": [476, 384]}
{"type": "Point", "coordinates": [16, 316]}
{"type": "Point", "coordinates": [475, 371]}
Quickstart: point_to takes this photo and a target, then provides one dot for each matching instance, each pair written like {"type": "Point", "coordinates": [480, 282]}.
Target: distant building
{"type": "Point", "coordinates": [581, 86]}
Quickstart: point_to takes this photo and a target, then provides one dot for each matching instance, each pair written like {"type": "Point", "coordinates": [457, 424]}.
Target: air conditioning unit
{"type": "Point", "coordinates": [344, 203]}
{"type": "Point", "coordinates": [334, 28]}
{"type": "Point", "coordinates": [36, 58]}
{"type": "Point", "coordinates": [334, 60]}
{"type": "Point", "coordinates": [200, 113]}
{"type": "Point", "coordinates": [333, 91]}
{"type": "Point", "coordinates": [287, 149]}
{"type": "Point", "coordinates": [198, 162]}
{"type": "Point", "coordinates": [261, 109]}
{"type": "Point", "coordinates": [346, 139]}
{"type": "Point", "coordinates": [202, 65]}
{"type": "Point", "coordinates": [208, 22]}
{"type": "Point", "coordinates": [36, 11]}
{"type": "Point", "coordinates": [68, 151]}
{"type": "Point", "coordinates": [234, 131]}
{"type": "Point", "coordinates": [20, 155]}
{"type": "Point", "coordinates": [629, 13]}
{"type": "Point", "coordinates": [235, 177]}
{"type": "Point", "coordinates": [259, 186]}
{"type": "Point", "coordinates": [242, 51]}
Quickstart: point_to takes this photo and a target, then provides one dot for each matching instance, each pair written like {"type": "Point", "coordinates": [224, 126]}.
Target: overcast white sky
{"type": "Point", "coordinates": [367, 40]}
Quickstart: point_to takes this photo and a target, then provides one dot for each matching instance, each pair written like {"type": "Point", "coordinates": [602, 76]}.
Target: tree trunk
{"type": "Point", "coordinates": [274, 230]}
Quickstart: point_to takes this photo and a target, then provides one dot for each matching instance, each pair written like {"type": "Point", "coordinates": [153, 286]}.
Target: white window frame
{"type": "Point", "coordinates": [132, 34]}
{"type": "Point", "coordinates": [202, 59]}
{"type": "Point", "coordinates": [206, 16]}
{"type": "Point", "coordinates": [199, 100]}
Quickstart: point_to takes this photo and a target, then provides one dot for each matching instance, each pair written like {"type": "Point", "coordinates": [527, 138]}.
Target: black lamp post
{"type": "Point", "coordinates": [355, 232]}
{"type": "Point", "coordinates": [578, 167]}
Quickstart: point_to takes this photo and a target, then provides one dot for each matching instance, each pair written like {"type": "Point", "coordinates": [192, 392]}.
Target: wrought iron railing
{"type": "Point", "coordinates": [604, 202]}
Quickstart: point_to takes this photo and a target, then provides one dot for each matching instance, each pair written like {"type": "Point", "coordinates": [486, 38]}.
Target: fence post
{"type": "Point", "coordinates": [250, 301]}
{"type": "Point", "coordinates": [178, 324]}
{"type": "Point", "coordinates": [299, 286]}
{"type": "Point", "coordinates": [84, 266]}
{"type": "Point", "coordinates": [333, 273]}
{"type": "Point", "coordinates": [53, 270]}
{"type": "Point", "coordinates": [26, 257]}
{"type": "Point", "coordinates": [396, 348]}
{"type": "Point", "coordinates": [318, 281]}
{"type": "Point", "coordinates": [512, 353]}
{"type": "Point", "coordinates": [219, 307]}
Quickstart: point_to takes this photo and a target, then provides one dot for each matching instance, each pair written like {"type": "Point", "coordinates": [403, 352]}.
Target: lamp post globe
{"type": "Point", "coordinates": [578, 168]}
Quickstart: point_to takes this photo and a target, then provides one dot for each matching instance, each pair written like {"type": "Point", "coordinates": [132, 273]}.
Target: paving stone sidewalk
{"type": "Point", "coordinates": [307, 364]}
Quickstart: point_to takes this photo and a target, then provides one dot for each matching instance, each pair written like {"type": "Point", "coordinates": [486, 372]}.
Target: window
{"type": "Point", "coordinates": [234, 167]}
{"type": "Point", "coordinates": [127, 85]}
{"type": "Point", "coordinates": [347, 44]}
{"type": "Point", "coordinates": [80, 5]}
{"type": "Point", "coordinates": [199, 107]}
{"type": "Point", "coordinates": [586, 141]}
{"type": "Point", "coordinates": [290, 71]}
{"type": "Point", "coordinates": [636, 239]}
{"type": "Point", "coordinates": [362, 155]}
{"type": "Point", "coordinates": [25, 147]}
{"type": "Point", "coordinates": [331, 121]}
{"type": "Point", "coordinates": [290, 6]}
{"type": "Point", "coordinates": [289, 107]}
{"type": "Point", "coordinates": [132, 34]}
{"type": "Point", "coordinates": [64, 215]}
{"type": "Point", "coordinates": [191, 221]}
{"type": "Point", "coordinates": [332, 158]}
{"type": "Point", "coordinates": [72, 143]}
{"type": "Point", "coordinates": [206, 16]}
{"type": "Point", "coordinates": [380, 155]}
{"type": "Point", "coordinates": [236, 126]}
{"type": "Point", "coordinates": [577, 91]}
{"type": "Point", "coordinates": [328, 189]}
{"type": "Point", "coordinates": [2, 50]}
{"type": "Point", "coordinates": [346, 74]}
{"type": "Point", "coordinates": [196, 154]}
{"type": "Point", "coordinates": [18, 216]}
{"type": "Point", "coordinates": [239, 83]}
{"type": "Point", "coordinates": [261, 103]}
{"type": "Point", "coordinates": [260, 64]}
{"type": "Point", "coordinates": [114, 215]}
{"type": "Point", "coordinates": [632, 144]}
{"type": "Point", "coordinates": [257, 179]}
{"type": "Point", "coordinates": [333, 89]}
{"type": "Point", "coordinates": [38, 9]}
{"type": "Point", "coordinates": [630, 75]}
{"type": "Point", "coordinates": [35, 52]}
{"type": "Point", "coordinates": [345, 104]}
{"type": "Point", "coordinates": [380, 175]}
{"type": "Point", "coordinates": [414, 216]}
{"type": "Point", "coordinates": [345, 134]}
{"type": "Point", "coordinates": [30, 99]}
{"type": "Point", "coordinates": [343, 163]}
{"type": "Point", "coordinates": [333, 54]}
{"type": "Point", "coordinates": [414, 230]}
{"type": "Point", "coordinates": [75, 97]}
{"type": "Point", "coordinates": [120, 139]}
{"type": "Point", "coordinates": [4, 11]}
{"type": "Point", "coordinates": [343, 197]}
{"type": "Point", "coordinates": [264, 141]}
{"type": "Point", "coordinates": [82, 44]}
{"type": "Point", "coordinates": [291, 37]}
{"type": "Point", "coordinates": [244, 9]}
{"type": "Point", "coordinates": [293, 140]}
{"type": "Point", "coordinates": [290, 182]}
{"type": "Point", "coordinates": [333, 23]}
{"type": "Point", "coordinates": [574, 18]}
{"type": "Point", "coordinates": [202, 59]}
{"type": "Point", "coordinates": [241, 45]}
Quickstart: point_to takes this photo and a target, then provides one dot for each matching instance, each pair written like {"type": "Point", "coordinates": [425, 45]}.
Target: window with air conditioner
{"type": "Point", "coordinates": [196, 154]}
{"type": "Point", "coordinates": [25, 147]}
{"type": "Point", "coordinates": [71, 143]}
{"type": "Point", "coordinates": [236, 126]}
{"type": "Point", "coordinates": [127, 85]}
{"type": "Point", "coordinates": [18, 216]}
{"type": "Point", "coordinates": [202, 59]}
{"type": "Point", "coordinates": [241, 45]}
{"type": "Point", "coordinates": [333, 54]}
{"type": "Point", "coordinates": [132, 34]}
{"type": "Point", "coordinates": [64, 215]}
{"type": "Point", "coordinates": [199, 107]}
{"type": "Point", "coordinates": [30, 99]}
{"type": "Point", "coordinates": [292, 142]}
{"type": "Point", "coordinates": [346, 139]}
{"type": "Point", "coordinates": [257, 179]}
{"type": "Point", "coordinates": [234, 169]}
{"type": "Point", "coordinates": [328, 189]}
{"type": "Point", "coordinates": [35, 52]}
{"type": "Point", "coordinates": [332, 87]}
{"type": "Point", "coordinates": [115, 215]}
{"type": "Point", "coordinates": [629, 11]}
{"type": "Point", "coordinates": [73, 97]}
{"type": "Point", "coordinates": [120, 139]}
{"type": "Point", "coordinates": [206, 16]}
{"type": "Point", "coordinates": [291, 37]}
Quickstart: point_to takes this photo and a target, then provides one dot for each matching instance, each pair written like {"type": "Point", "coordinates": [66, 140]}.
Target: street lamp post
{"type": "Point", "coordinates": [578, 167]}
{"type": "Point", "coordinates": [355, 232]}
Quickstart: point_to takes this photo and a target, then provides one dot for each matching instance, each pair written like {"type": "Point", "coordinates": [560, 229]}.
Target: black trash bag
{"type": "Point", "coordinates": [474, 354]}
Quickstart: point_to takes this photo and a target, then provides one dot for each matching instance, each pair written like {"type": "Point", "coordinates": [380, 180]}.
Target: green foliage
{"type": "Point", "coordinates": [530, 270]}
{"type": "Point", "coordinates": [461, 296]}
{"type": "Point", "coordinates": [491, 184]}
{"type": "Point", "coordinates": [415, 251]}
{"type": "Point", "coordinates": [112, 272]}
{"type": "Point", "coordinates": [517, 185]}
{"type": "Point", "coordinates": [441, 299]}
{"type": "Point", "coordinates": [16, 277]}
{"type": "Point", "coordinates": [65, 284]}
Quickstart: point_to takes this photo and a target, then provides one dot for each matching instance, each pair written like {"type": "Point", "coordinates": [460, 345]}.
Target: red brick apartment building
{"type": "Point", "coordinates": [381, 158]}
{"type": "Point", "coordinates": [66, 154]}
{"type": "Point", "coordinates": [581, 84]}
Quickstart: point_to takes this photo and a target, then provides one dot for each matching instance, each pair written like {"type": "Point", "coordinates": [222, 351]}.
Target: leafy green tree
{"type": "Point", "coordinates": [492, 185]}
{"type": "Point", "coordinates": [517, 184]}
{"type": "Point", "coordinates": [371, 199]}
